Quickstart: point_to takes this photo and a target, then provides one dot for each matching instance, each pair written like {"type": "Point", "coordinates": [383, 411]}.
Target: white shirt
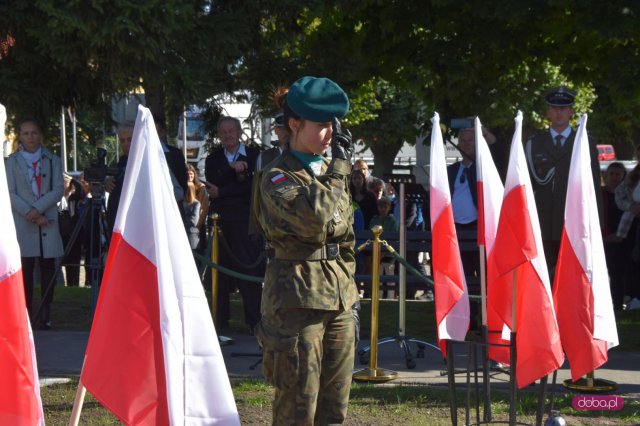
{"type": "Point", "coordinates": [565, 134]}
{"type": "Point", "coordinates": [461, 200]}
{"type": "Point", "coordinates": [233, 157]}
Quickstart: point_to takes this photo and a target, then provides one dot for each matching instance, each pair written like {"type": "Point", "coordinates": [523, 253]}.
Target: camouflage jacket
{"type": "Point", "coordinates": [300, 215]}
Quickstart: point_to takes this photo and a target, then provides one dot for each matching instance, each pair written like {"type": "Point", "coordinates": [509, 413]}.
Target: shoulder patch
{"type": "Point", "coordinates": [279, 178]}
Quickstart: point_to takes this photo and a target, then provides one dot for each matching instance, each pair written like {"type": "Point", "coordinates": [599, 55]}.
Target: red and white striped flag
{"type": "Point", "coordinates": [153, 355]}
{"type": "Point", "coordinates": [581, 284]}
{"type": "Point", "coordinates": [518, 252]}
{"type": "Point", "coordinates": [20, 403]}
{"type": "Point", "coordinates": [451, 294]}
{"type": "Point", "coordinates": [490, 194]}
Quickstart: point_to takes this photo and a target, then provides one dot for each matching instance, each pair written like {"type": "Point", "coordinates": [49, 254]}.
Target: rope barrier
{"type": "Point", "coordinates": [206, 260]}
{"type": "Point", "coordinates": [406, 264]}
{"type": "Point", "coordinates": [234, 258]}
{"type": "Point", "coordinates": [228, 271]}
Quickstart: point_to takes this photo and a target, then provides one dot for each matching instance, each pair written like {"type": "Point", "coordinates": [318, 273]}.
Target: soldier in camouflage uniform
{"type": "Point", "coordinates": [304, 210]}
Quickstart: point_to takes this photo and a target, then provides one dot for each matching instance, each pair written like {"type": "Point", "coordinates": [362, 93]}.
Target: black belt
{"type": "Point", "coordinates": [473, 224]}
{"type": "Point", "coordinates": [326, 252]}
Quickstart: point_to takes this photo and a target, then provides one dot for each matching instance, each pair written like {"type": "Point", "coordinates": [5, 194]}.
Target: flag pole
{"type": "Point", "coordinates": [483, 284]}
{"type": "Point", "coordinates": [485, 335]}
{"type": "Point", "coordinates": [513, 403]}
{"type": "Point", "coordinates": [77, 405]}
{"type": "Point", "coordinates": [78, 402]}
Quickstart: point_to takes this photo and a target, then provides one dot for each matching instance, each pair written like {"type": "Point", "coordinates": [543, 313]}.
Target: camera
{"type": "Point", "coordinates": [98, 171]}
{"type": "Point", "coordinates": [97, 174]}
{"type": "Point", "coordinates": [462, 123]}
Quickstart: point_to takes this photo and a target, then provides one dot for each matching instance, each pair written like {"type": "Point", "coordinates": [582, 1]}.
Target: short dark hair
{"type": "Point", "coordinates": [618, 165]}
{"type": "Point", "coordinates": [32, 121]}
{"type": "Point", "coordinates": [224, 118]}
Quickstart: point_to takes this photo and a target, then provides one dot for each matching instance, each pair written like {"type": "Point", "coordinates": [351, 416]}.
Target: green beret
{"type": "Point", "coordinates": [317, 99]}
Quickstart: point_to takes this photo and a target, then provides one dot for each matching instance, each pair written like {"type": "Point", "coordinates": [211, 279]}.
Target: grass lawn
{"type": "Point", "coordinates": [369, 405]}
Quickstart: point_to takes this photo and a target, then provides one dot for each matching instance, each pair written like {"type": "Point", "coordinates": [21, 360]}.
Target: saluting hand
{"type": "Point", "coordinates": [341, 144]}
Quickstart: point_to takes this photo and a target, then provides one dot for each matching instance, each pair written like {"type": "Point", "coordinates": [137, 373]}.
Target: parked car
{"type": "Point", "coordinates": [606, 153]}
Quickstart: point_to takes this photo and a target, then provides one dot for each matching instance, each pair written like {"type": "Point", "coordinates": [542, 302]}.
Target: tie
{"type": "Point", "coordinates": [559, 139]}
{"type": "Point", "coordinates": [463, 175]}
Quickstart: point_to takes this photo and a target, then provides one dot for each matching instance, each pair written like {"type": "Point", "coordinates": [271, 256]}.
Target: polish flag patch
{"type": "Point", "coordinates": [279, 178]}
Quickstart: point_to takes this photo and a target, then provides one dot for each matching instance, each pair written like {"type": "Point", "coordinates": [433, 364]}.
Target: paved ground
{"type": "Point", "coordinates": [60, 354]}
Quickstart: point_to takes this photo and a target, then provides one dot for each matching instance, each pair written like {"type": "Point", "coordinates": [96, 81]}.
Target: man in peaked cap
{"type": "Point", "coordinates": [282, 133]}
{"type": "Point", "coordinates": [549, 157]}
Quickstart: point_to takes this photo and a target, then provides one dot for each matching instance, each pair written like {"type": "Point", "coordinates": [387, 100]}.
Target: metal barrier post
{"type": "Point", "coordinates": [373, 373]}
{"type": "Point", "coordinates": [215, 254]}
{"type": "Point", "coordinates": [214, 259]}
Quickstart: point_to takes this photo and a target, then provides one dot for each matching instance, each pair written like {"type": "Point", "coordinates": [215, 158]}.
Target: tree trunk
{"type": "Point", "coordinates": [384, 155]}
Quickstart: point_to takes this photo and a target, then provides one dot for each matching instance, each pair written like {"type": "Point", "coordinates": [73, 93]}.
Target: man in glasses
{"type": "Point", "coordinates": [462, 183]}
{"type": "Point", "coordinates": [464, 201]}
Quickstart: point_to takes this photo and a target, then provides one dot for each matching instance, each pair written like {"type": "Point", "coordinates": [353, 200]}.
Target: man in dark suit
{"type": "Point", "coordinates": [114, 185]}
{"type": "Point", "coordinates": [229, 171]}
{"type": "Point", "coordinates": [177, 166]}
{"type": "Point", "coordinates": [549, 157]}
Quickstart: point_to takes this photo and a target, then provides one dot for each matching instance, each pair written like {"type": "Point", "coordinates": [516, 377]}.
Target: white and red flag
{"type": "Point", "coordinates": [581, 291]}
{"type": "Point", "coordinates": [490, 194]}
{"type": "Point", "coordinates": [451, 294]}
{"type": "Point", "coordinates": [153, 355]}
{"type": "Point", "coordinates": [20, 403]}
{"type": "Point", "coordinates": [518, 253]}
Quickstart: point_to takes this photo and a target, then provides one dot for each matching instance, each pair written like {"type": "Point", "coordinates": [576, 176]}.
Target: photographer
{"type": "Point", "coordinates": [114, 185]}
{"type": "Point", "coordinates": [229, 172]}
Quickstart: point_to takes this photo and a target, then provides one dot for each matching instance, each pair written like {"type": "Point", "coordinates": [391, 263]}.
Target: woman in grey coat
{"type": "Point", "coordinates": [34, 176]}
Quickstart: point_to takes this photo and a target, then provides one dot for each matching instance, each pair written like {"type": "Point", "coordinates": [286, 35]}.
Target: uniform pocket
{"type": "Point", "coordinates": [280, 359]}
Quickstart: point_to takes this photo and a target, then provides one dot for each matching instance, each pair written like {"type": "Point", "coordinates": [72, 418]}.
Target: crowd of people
{"type": "Point", "coordinates": [300, 209]}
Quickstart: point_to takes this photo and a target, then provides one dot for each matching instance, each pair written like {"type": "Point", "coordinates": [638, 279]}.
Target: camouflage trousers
{"type": "Point", "coordinates": [308, 357]}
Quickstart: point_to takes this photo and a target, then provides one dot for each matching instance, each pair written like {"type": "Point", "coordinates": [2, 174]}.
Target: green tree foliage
{"type": "Point", "coordinates": [458, 57]}
{"type": "Point", "coordinates": [79, 53]}
{"type": "Point", "coordinates": [393, 114]}
{"type": "Point", "coordinates": [468, 58]}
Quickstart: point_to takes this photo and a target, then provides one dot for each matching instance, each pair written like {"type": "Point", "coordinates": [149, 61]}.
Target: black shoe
{"type": "Point", "coordinates": [46, 325]}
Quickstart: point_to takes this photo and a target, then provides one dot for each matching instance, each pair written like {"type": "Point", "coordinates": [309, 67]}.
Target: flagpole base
{"type": "Point", "coordinates": [599, 385]}
{"type": "Point", "coordinates": [225, 341]}
{"type": "Point", "coordinates": [379, 375]}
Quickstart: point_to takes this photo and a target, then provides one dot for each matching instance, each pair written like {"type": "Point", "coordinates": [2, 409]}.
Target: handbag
{"type": "Point", "coordinates": [65, 223]}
